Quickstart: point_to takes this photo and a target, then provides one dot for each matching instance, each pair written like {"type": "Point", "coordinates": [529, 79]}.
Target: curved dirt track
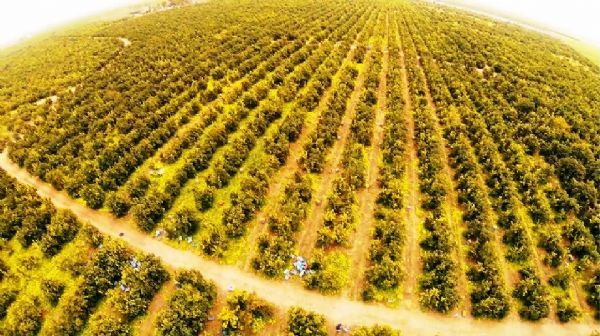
{"type": "Point", "coordinates": [283, 294]}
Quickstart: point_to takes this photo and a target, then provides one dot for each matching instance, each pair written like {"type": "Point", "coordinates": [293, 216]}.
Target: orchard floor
{"type": "Point", "coordinates": [285, 295]}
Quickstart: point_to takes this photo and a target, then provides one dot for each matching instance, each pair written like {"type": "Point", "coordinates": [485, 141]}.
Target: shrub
{"type": "Point", "coordinates": [183, 223]}
{"type": "Point", "coordinates": [204, 198]}
{"type": "Point", "coordinates": [303, 323]}
{"type": "Point", "coordinates": [243, 313]}
{"type": "Point", "coordinates": [53, 289]}
{"type": "Point", "coordinates": [107, 325]}
{"type": "Point", "coordinates": [142, 284]}
{"type": "Point", "coordinates": [187, 308]}
{"type": "Point", "coordinates": [24, 318]}
{"type": "Point", "coordinates": [7, 297]}
{"type": "Point", "coordinates": [118, 203]}
{"type": "Point", "coordinates": [93, 195]}
{"type": "Point", "coordinates": [62, 229]}
{"type": "Point", "coordinates": [566, 311]}
{"type": "Point", "coordinates": [376, 330]}
{"type": "Point", "coordinates": [329, 272]}
{"type": "Point", "coordinates": [532, 295]}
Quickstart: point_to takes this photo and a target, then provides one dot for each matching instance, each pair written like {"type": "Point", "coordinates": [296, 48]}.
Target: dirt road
{"type": "Point", "coordinates": [285, 295]}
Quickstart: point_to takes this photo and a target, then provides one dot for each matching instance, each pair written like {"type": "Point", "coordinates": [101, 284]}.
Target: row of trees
{"type": "Point", "coordinates": [273, 249]}
{"type": "Point", "coordinates": [385, 271]}
{"type": "Point", "coordinates": [528, 185]}
{"type": "Point", "coordinates": [439, 277]}
{"type": "Point", "coordinates": [323, 137]}
{"type": "Point", "coordinates": [254, 183]}
{"type": "Point", "coordinates": [199, 156]}
{"type": "Point", "coordinates": [161, 116]}
{"type": "Point", "coordinates": [101, 274]}
{"type": "Point", "coordinates": [364, 119]}
{"type": "Point", "coordinates": [295, 69]}
{"type": "Point", "coordinates": [31, 219]}
{"type": "Point", "coordinates": [187, 308]}
{"type": "Point", "coordinates": [329, 270]}
{"type": "Point", "coordinates": [339, 219]}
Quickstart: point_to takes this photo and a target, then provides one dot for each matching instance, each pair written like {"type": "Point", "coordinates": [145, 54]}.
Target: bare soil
{"type": "Point", "coordinates": [158, 302]}
{"type": "Point", "coordinates": [412, 261]}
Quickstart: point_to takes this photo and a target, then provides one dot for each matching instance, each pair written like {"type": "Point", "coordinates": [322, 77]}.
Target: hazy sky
{"type": "Point", "coordinates": [22, 18]}
{"type": "Point", "coordinates": [576, 18]}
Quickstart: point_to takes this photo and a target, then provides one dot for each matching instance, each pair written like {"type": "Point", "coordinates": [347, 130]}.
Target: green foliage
{"type": "Point", "coordinates": [376, 330]}
{"type": "Point", "coordinates": [7, 297]}
{"type": "Point", "coordinates": [593, 292]}
{"type": "Point", "coordinates": [24, 317]}
{"type": "Point", "coordinates": [244, 312]}
{"type": "Point", "coordinates": [532, 295]}
{"type": "Point", "coordinates": [561, 279]}
{"type": "Point", "coordinates": [566, 311]}
{"type": "Point", "coordinates": [106, 325]}
{"type": "Point", "coordinates": [53, 289]}
{"type": "Point", "coordinates": [123, 128]}
{"type": "Point", "coordinates": [329, 272]}
{"type": "Point", "coordinates": [151, 210]}
{"type": "Point", "coordinates": [140, 284]}
{"type": "Point", "coordinates": [303, 323]}
{"type": "Point", "coordinates": [34, 224]}
{"type": "Point", "coordinates": [187, 308]}
{"type": "Point", "coordinates": [204, 198]}
{"type": "Point", "coordinates": [274, 250]}
{"type": "Point", "coordinates": [93, 195]}
{"type": "Point", "coordinates": [118, 203]}
{"type": "Point", "coordinates": [182, 223]}
{"type": "Point", "coordinates": [91, 235]}
{"type": "Point", "coordinates": [62, 229]}
{"type": "Point", "coordinates": [339, 217]}
{"type": "Point", "coordinates": [4, 270]}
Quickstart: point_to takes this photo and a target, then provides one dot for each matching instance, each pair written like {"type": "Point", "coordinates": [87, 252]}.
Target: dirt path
{"type": "Point", "coordinates": [158, 302]}
{"type": "Point", "coordinates": [411, 257]}
{"type": "Point", "coordinates": [308, 236]}
{"type": "Point", "coordinates": [285, 294]}
{"type": "Point", "coordinates": [367, 196]}
{"type": "Point", "coordinates": [213, 325]}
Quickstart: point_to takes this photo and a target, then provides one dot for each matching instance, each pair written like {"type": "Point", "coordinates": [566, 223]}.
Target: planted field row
{"type": "Point", "coordinates": [273, 249]}
{"type": "Point", "coordinates": [60, 277]}
{"type": "Point", "coordinates": [439, 278]}
{"type": "Point", "coordinates": [385, 271]}
{"type": "Point", "coordinates": [528, 185]}
{"type": "Point", "coordinates": [343, 172]}
{"type": "Point", "coordinates": [236, 214]}
{"type": "Point", "coordinates": [110, 166]}
{"type": "Point", "coordinates": [256, 110]}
